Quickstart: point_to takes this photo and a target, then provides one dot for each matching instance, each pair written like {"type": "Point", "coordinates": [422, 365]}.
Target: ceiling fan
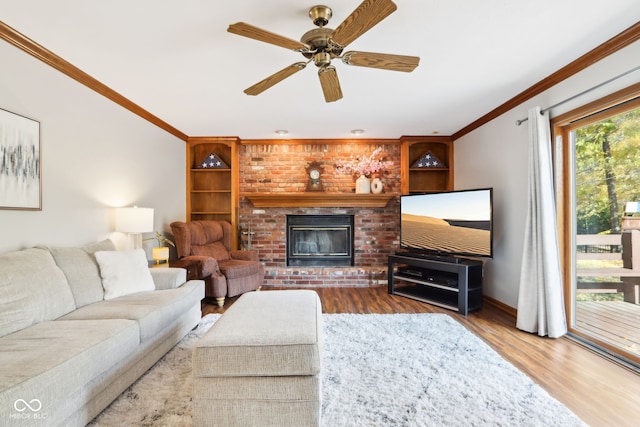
{"type": "Point", "coordinates": [322, 44]}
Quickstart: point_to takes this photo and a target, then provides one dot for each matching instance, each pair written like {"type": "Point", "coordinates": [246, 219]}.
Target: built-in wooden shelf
{"type": "Point", "coordinates": [319, 200]}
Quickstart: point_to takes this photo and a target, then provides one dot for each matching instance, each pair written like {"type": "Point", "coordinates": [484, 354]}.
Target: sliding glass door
{"type": "Point", "coordinates": [600, 217]}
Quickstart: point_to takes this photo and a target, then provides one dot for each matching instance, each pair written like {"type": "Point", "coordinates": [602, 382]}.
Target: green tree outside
{"type": "Point", "coordinates": [607, 177]}
{"type": "Point", "coordinates": [607, 172]}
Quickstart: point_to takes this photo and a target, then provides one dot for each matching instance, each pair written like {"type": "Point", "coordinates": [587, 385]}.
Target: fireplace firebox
{"type": "Point", "coordinates": [320, 240]}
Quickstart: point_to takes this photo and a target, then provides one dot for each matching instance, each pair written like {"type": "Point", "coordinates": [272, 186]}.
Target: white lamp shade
{"type": "Point", "coordinates": [134, 220]}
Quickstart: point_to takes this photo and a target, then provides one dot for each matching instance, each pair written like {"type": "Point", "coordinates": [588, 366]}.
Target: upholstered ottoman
{"type": "Point", "coordinates": [259, 364]}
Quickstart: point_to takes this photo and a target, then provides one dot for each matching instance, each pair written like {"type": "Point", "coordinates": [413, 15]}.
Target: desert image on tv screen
{"type": "Point", "coordinates": [455, 223]}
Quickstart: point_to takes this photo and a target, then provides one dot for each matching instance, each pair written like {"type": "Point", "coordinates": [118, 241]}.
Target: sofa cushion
{"type": "Point", "coordinates": [124, 272]}
{"type": "Point", "coordinates": [82, 270]}
{"type": "Point", "coordinates": [33, 289]}
{"type": "Point", "coordinates": [154, 311]}
{"type": "Point", "coordinates": [235, 268]}
{"type": "Point", "coordinates": [51, 360]}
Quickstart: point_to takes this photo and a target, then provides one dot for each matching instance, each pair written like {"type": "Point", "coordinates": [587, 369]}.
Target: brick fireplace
{"type": "Point", "coordinates": [279, 168]}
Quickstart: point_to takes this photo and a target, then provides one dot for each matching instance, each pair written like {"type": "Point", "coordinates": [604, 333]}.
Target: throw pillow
{"type": "Point", "coordinates": [124, 272]}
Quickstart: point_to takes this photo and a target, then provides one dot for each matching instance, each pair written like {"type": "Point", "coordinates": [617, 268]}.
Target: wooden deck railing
{"type": "Point", "coordinates": [628, 276]}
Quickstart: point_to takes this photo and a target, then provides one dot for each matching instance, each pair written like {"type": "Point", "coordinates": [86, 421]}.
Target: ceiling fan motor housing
{"type": "Point", "coordinates": [318, 40]}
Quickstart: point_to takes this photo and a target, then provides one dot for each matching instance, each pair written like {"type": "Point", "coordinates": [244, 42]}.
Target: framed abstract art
{"type": "Point", "coordinates": [20, 162]}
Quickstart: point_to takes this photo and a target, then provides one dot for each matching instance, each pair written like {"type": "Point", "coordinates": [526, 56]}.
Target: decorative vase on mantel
{"type": "Point", "coordinates": [363, 185]}
{"type": "Point", "coordinates": [376, 186]}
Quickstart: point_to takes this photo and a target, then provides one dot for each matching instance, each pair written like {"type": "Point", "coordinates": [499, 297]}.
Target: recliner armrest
{"type": "Point", "coordinates": [207, 266]}
{"type": "Point", "coordinates": [246, 255]}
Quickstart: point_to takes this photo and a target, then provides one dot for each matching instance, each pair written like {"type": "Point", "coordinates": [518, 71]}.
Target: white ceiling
{"type": "Point", "coordinates": [176, 59]}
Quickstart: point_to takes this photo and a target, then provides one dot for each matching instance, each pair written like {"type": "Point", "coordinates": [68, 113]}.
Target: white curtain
{"type": "Point", "coordinates": [540, 301]}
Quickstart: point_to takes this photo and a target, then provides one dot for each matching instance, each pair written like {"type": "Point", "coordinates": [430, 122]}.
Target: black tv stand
{"type": "Point", "coordinates": [433, 257]}
{"type": "Point", "coordinates": [455, 285]}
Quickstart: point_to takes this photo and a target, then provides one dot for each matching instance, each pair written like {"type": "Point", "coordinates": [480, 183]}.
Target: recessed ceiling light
{"type": "Point", "coordinates": [357, 132]}
{"type": "Point", "coordinates": [282, 131]}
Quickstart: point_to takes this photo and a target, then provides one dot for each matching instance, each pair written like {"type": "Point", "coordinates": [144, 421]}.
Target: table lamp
{"type": "Point", "coordinates": [135, 221]}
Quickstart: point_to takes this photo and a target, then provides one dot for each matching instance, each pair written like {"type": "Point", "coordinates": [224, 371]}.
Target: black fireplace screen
{"type": "Point", "coordinates": [320, 240]}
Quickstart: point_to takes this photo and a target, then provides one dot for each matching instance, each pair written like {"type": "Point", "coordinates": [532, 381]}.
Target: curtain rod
{"type": "Point", "coordinates": [544, 110]}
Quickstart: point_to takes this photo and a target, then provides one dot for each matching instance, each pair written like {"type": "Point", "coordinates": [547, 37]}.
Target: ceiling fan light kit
{"type": "Point", "coordinates": [321, 45]}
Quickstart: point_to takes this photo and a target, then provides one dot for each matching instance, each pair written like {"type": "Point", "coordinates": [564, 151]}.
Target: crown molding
{"type": "Point", "coordinates": [620, 41]}
{"type": "Point", "coordinates": [29, 46]}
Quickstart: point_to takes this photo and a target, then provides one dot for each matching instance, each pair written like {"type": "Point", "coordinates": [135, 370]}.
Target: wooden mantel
{"type": "Point", "coordinates": [319, 200]}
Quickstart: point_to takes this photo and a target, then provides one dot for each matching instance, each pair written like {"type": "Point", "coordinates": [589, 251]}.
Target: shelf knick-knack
{"type": "Point", "coordinates": [212, 161]}
{"type": "Point", "coordinates": [428, 160]}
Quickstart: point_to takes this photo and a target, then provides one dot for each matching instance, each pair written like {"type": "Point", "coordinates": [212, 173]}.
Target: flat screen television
{"type": "Point", "coordinates": [453, 223]}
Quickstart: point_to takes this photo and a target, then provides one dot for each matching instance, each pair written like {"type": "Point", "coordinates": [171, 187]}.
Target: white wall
{"type": "Point", "coordinates": [495, 155]}
{"type": "Point", "coordinates": [94, 155]}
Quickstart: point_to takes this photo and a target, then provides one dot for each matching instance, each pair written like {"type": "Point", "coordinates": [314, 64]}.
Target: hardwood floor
{"type": "Point", "coordinates": [599, 391]}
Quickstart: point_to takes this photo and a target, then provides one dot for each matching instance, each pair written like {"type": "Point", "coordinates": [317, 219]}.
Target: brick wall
{"type": "Point", "coordinates": [280, 167]}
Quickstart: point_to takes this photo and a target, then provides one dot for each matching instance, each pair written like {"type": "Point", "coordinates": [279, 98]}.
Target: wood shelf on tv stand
{"type": "Point", "coordinates": [319, 199]}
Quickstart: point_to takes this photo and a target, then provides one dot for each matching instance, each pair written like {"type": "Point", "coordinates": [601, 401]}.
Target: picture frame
{"type": "Point", "coordinates": [20, 162]}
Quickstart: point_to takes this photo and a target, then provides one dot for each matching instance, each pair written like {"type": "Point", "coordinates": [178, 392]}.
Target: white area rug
{"type": "Point", "coordinates": [378, 370]}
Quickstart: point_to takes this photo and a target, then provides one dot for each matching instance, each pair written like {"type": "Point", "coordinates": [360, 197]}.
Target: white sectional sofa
{"type": "Point", "coordinates": [70, 344]}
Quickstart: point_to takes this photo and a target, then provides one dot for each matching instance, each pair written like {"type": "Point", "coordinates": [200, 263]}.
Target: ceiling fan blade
{"type": "Point", "coordinates": [248, 30]}
{"type": "Point", "coordinates": [383, 61]}
{"type": "Point", "coordinates": [330, 83]}
{"type": "Point", "coordinates": [273, 79]}
{"type": "Point", "coordinates": [361, 20]}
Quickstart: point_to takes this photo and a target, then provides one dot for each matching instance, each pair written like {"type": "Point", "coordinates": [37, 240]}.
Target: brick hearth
{"type": "Point", "coordinates": [280, 168]}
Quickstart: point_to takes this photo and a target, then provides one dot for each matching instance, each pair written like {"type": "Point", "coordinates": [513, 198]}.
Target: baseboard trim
{"type": "Point", "coordinates": [501, 306]}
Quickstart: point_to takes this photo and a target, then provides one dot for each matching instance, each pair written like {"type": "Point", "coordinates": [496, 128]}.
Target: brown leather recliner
{"type": "Point", "coordinates": [226, 272]}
